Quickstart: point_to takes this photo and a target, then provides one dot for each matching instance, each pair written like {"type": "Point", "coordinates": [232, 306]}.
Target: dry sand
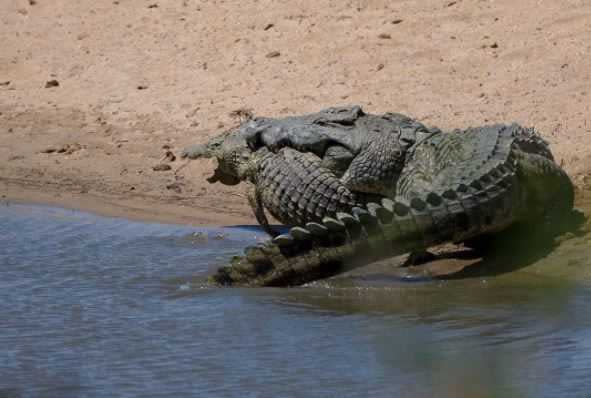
{"type": "Point", "coordinates": [93, 94]}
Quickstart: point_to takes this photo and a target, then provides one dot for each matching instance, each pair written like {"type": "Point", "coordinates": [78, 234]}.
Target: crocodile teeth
{"type": "Point", "coordinates": [317, 229]}
{"type": "Point", "coordinates": [283, 240]}
{"type": "Point", "coordinates": [299, 233]}
{"type": "Point", "coordinates": [333, 225]}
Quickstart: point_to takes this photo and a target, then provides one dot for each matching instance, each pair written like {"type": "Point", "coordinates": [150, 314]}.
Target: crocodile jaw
{"type": "Point", "coordinates": [221, 176]}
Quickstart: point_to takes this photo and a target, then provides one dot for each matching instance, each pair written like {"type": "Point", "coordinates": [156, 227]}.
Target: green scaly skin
{"type": "Point", "coordinates": [453, 187]}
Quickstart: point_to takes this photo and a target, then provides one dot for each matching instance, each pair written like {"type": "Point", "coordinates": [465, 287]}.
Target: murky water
{"type": "Point", "coordinates": [95, 306]}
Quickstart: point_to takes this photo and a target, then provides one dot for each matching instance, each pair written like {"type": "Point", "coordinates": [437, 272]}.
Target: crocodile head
{"type": "Point", "coordinates": [233, 153]}
{"type": "Point", "coordinates": [235, 160]}
{"type": "Point", "coordinates": [366, 150]}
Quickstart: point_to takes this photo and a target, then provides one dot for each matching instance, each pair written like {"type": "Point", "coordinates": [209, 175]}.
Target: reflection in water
{"type": "Point", "coordinates": [105, 307]}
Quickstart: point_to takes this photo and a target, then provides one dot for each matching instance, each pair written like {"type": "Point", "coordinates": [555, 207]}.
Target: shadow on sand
{"type": "Point", "coordinates": [513, 249]}
{"type": "Point", "coordinates": [517, 248]}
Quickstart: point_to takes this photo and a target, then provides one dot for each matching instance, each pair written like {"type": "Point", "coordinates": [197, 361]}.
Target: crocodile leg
{"type": "Point", "coordinates": [253, 194]}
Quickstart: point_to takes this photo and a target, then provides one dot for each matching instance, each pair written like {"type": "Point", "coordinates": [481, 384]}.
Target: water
{"type": "Point", "coordinates": [105, 307]}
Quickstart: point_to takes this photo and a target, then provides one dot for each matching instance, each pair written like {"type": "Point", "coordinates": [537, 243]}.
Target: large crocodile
{"type": "Point", "coordinates": [361, 187]}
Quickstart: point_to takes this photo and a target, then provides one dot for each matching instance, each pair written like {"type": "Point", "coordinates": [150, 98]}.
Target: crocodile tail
{"type": "Point", "coordinates": [375, 231]}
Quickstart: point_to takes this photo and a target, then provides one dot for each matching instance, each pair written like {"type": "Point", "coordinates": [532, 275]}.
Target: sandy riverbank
{"type": "Point", "coordinates": [93, 96]}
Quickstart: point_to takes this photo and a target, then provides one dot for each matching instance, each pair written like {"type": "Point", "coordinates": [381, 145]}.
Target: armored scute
{"type": "Point", "coordinates": [358, 188]}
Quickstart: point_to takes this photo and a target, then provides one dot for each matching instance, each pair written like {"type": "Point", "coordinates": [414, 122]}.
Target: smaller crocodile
{"type": "Point", "coordinates": [365, 152]}
{"type": "Point", "coordinates": [361, 187]}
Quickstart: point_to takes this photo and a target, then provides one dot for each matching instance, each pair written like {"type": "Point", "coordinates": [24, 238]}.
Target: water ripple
{"type": "Point", "coordinates": [97, 306]}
